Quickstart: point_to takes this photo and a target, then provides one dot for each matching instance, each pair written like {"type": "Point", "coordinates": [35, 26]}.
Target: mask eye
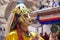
{"type": "Point", "coordinates": [23, 6]}
{"type": "Point", "coordinates": [30, 21]}
{"type": "Point", "coordinates": [19, 7]}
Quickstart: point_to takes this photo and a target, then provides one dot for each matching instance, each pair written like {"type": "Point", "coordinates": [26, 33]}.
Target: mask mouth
{"type": "Point", "coordinates": [25, 15]}
{"type": "Point", "coordinates": [30, 21]}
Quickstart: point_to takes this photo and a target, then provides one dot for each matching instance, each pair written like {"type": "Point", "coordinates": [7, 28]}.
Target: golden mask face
{"type": "Point", "coordinates": [23, 12]}
{"type": "Point", "coordinates": [25, 19]}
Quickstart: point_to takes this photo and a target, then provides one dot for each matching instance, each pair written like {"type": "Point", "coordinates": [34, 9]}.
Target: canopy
{"type": "Point", "coordinates": [47, 16]}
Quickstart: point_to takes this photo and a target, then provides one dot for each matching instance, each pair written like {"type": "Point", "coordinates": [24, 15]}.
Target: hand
{"type": "Point", "coordinates": [35, 38]}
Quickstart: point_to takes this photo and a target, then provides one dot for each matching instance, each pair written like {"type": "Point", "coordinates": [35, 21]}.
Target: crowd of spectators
{"type": "Point", "coordinates": [48, 4]}
{"type": "Point", "coordinates": [51, 36]}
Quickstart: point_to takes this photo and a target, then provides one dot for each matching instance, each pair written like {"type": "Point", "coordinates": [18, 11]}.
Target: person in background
{"type": "Point", "coordinates": [51, 3]}
{"type": "Point", "coordinates": [58, 34]}
{"type": "Point", "coordinates": [53, 36]}
{"type": "Point", "coordinates": [59, 3]}
{"type": "Point", "coordinates": [48, 4]}
{"type": "Point", "coordinates": [41, 6]}
{"type": "Point", "coordinates": [58, 37]}
{"type": "Point", "coordinates": [41, 35]}
{"type": "Point", "coordinates": [54, 4]}
{"type": "Point", "coordinates": [2, 2]}
{"type": "Point", "coordinates": [1, 34]}
{"type": "Point", "coordinates": [46, 37]}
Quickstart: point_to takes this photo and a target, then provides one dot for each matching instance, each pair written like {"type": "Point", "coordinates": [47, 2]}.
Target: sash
{"type": "Point", "coordinates": [17, 24]}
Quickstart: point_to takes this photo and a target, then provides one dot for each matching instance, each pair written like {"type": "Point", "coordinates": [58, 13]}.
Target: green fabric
{"type": "Point", "coordinates": [25, 10]}
{"type": "Point", "coordinates": [54, 29]}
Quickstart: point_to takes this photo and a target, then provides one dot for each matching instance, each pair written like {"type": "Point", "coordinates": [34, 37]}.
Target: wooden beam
{"type": "Point", "coordinates": [45, 12]}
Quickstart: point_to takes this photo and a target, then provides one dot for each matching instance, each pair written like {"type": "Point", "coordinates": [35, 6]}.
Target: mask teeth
{"type": "Point", "coordinates": [29, 16]}
{"type": "Point", "coordinates": [23, 18]}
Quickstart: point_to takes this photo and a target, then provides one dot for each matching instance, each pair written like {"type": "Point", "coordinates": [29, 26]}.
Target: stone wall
{"type": "Point", "coordinates": [3, 2]}
{"type": "Point", "coordinates": [32, 4]}
{"type": "Point", "coordinates": [5, 13]}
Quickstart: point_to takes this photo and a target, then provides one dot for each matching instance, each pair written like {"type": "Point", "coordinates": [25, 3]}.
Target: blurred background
{"type": "Point", "coordinates": [32, 5]}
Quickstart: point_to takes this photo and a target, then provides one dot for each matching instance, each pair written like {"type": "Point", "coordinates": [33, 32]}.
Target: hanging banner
{"type": "Point", "coordinates": [47, 16]}
{"type": "Point", "coordinates": [50, 19]}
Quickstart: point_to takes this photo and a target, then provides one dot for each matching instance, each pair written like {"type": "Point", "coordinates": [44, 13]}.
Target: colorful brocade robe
{"type": "Point", "coordinates": [14, 36]}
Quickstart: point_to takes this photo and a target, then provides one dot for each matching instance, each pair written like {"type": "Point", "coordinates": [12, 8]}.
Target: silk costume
{"type": "Point", "coordinates": [18, 34]}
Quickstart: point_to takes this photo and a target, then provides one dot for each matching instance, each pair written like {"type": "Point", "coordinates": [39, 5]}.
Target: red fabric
{"type": "Point", "coordinates": [20, 37]}
{"type": "Point", "coordinates": [49, 19]}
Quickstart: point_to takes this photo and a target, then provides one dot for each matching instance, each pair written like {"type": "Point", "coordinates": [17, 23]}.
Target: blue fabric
{"type": "Point", "coordinates": [54, 4]}
{"type": "Point", "coordinates": [19, 3]}
{"type": "Point", "coordinates": [50, 22]}
{"type": "Point", "coordinates": [16, 21]}
{"type": "Point", "coordinates": [59, 3]}
{"type": "Point", "coordinates": [17, 16]}
{"type": "Point", "coordinates": [47, 22]}
{"type": "Point", "coordinates": [41, 7]}
{"type": "Point", "coordinates": [38, 18]}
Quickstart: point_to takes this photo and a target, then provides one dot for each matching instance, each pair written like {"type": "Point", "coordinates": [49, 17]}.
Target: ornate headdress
{"type": "Point", "coordinates": [22, 11]}
{"type": "Point", "coordinates": [22, 15]}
